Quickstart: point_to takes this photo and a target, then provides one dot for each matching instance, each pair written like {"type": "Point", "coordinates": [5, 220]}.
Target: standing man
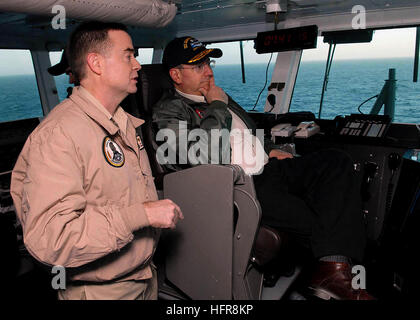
{"type": "Point", "coordinates": [82, 185]}
{"type": "Point", "coordinates": [313, 197]}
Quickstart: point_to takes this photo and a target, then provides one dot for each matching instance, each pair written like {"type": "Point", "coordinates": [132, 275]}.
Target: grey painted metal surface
{"type": "Point", "coordinates": [247, 282]}
{"type": "Point", "coordinates": [209, 252]}
{"type": "Point", "coordinates": [199, 260]}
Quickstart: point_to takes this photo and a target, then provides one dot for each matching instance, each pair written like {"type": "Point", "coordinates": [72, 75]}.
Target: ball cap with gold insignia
{"type": "Point", "coordinates": [187, 50]}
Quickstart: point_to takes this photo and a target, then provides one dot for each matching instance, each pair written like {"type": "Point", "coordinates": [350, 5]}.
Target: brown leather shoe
{"type": "Point", "coordinates": [333, 280]}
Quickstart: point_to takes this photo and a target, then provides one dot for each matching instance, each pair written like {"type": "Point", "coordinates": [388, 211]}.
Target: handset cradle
{"type": "Point", "coordinates": [282, 130]}
{"type": "Point", "coordinates": [306, 129]}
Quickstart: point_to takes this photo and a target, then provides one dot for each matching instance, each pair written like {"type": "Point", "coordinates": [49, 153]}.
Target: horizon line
{"type": "Point", "coordinates": [238, 64]}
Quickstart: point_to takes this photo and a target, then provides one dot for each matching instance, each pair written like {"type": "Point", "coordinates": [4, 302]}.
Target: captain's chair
{"type": "Point", "coordinates": [153, 80]}
{"type": "Point", "coordinates": [217, 251]}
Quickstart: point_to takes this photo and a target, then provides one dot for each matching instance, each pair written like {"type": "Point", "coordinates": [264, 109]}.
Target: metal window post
{"type": "Point", "coordinates": [46, 83]}
{"type": "Point", "coordinates": [386, 97]}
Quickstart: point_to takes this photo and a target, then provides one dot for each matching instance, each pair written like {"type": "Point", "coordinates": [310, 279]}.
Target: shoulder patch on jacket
{"type": "Point", "coordinates": [112, 152]}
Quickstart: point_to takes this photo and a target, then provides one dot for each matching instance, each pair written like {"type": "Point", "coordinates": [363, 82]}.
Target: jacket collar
{"type": "Point", "coordinates": [191, 97]}
{"type": "Point", "coordinates": [137, 122]}
{"type": "Point", "coordinates": [232, 105]}
{"type": "Point", "coordinates": [188, 101]}
{"type": "Point", "coordinates": [95, 110]}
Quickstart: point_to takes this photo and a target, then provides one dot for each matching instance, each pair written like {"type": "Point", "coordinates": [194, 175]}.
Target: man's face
{"type": "Point", "coordinates": [120, 66]}
{"type": "Point", "coordinates": [190, 78]}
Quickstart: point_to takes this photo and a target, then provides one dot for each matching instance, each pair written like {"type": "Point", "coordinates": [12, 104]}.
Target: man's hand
{"type": "Point", "coordinates": [163, 213]}
{"type": "Point", "coordinates": [276, 153]}
{"type": "Point", "coordinates": [213, 92]}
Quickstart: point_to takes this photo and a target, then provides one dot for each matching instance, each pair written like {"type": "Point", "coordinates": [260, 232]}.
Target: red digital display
{"type": "Point", "coordinates": [286, 39]}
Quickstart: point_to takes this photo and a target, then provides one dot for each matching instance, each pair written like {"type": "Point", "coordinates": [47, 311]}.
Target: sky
{"type": "Point", "coordinates": [385, 44]}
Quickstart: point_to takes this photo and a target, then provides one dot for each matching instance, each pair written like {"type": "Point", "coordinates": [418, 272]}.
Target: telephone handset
{"type": "Point", "coordinates": [305, 129]}
{"type": "Point", "coordinates": [282, 130]}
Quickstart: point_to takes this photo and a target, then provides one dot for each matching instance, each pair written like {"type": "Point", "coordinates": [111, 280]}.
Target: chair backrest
{"type": "Point", "coordinates": [153, 81]}
{"type": "Point", "coordinates": [208, 254]}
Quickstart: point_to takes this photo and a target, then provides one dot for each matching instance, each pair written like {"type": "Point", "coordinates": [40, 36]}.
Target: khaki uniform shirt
{"type": "Point", "coordinates": [79, 186]}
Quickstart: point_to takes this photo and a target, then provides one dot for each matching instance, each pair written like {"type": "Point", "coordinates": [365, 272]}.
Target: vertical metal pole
{"type": "Point", "coordinates": [242, 61]}
{"type": "Point", "coordinates": [389, 108]}
{"type": "Point", "coordinates": [386, 97]}
{"type": "Point", "coordinates": [325, 82]}
{"type": "Point", "coordinates": [416, 55]}
{"type": "Point", "coordinates": [329, 67]}
{"type": "Point", "coordinates": [380, 100]}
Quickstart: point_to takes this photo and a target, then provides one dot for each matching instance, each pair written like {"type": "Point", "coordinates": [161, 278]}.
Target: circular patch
{"type": "Point", "coordinates": [113, 152]}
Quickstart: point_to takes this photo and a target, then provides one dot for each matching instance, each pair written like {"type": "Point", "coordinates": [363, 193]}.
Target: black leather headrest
{"type": "Point", "coordinates": [153, 80]}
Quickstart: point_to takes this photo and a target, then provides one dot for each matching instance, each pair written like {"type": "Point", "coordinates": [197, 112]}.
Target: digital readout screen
{"type": "Point", "coordinates": [287, 39]}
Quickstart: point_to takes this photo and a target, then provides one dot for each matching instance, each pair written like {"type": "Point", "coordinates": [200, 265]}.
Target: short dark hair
{"type": "Point", "coordinates": [88, 37]}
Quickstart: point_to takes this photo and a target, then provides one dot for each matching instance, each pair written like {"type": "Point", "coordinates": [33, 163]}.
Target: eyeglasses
{"type": "Point", "coordinates": [200, 67]}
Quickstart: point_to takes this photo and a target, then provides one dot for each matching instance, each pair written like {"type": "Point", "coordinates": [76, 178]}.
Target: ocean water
{"type": "Point", "coordinates": [350, 83]}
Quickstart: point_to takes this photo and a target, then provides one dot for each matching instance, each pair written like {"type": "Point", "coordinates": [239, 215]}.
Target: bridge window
{"type": "Point", "coordinates": [18, 89]}
{"type": "Point", "coordinates": [228, 73]}
{"type": "Point", "coordinates": [358, 72]}
{"type": "Point", "coordinates": [145, 55]}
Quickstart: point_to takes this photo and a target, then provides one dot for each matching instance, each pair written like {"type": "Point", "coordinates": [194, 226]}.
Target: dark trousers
{"type": "Point", "coordinates": [316, 199]}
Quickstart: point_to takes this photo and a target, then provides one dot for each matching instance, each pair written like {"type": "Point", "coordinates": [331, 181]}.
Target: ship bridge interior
{"type": "Point", "coordinates": [385, 154]}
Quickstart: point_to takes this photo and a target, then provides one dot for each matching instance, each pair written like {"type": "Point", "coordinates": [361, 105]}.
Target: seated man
{"type": "Point", "coordinates": [312, 197]}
